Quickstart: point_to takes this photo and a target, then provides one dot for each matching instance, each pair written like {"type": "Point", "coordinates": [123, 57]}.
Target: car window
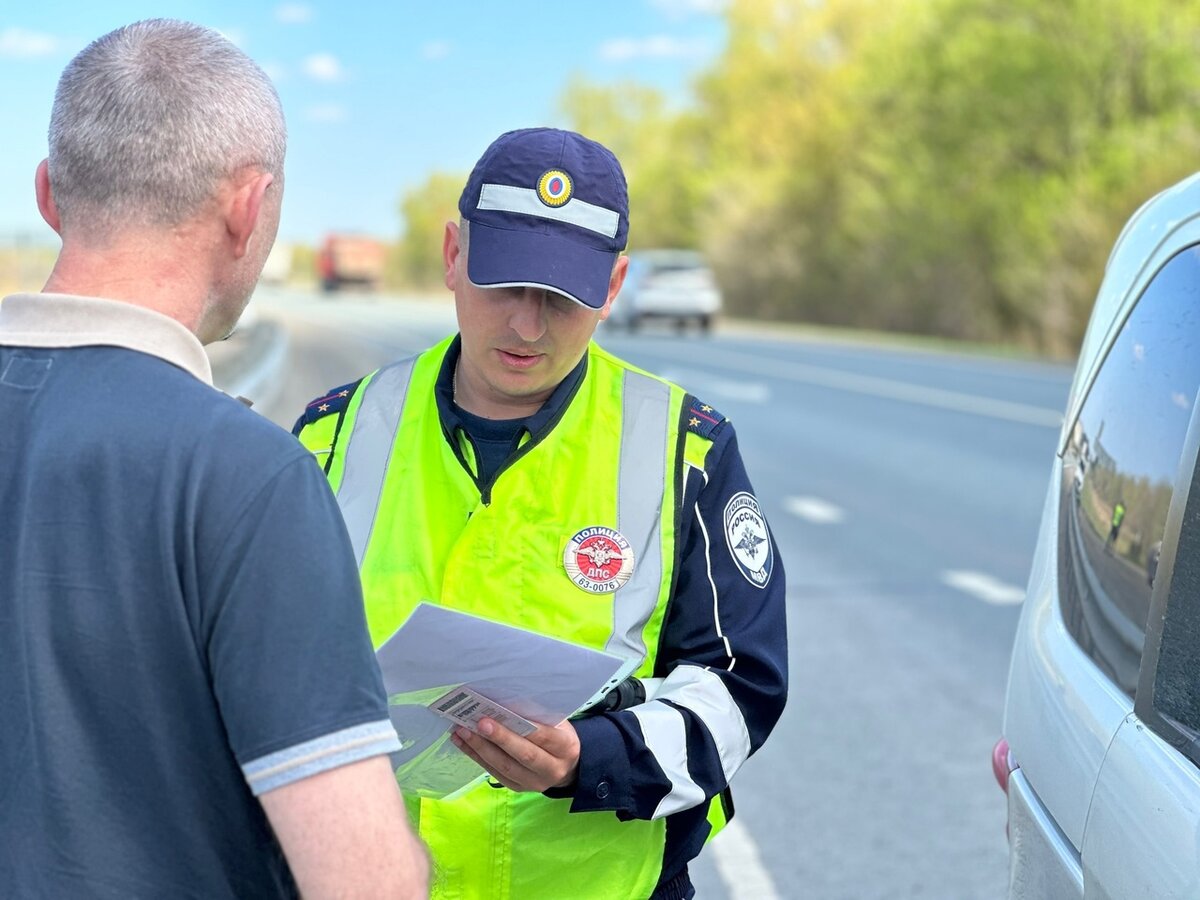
{"type": "Point", "coordinates": [662, 261]}
{"type": "Point", "coordinates": [678, 265]}
{"type": "Point", "coordinates": [1119, 470]}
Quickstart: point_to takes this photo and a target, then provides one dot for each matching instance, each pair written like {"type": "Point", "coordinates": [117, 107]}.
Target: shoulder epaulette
{"type": "Point", "coordinates": [700, 418]}
{"type": "Point", "coordinates": [335, 401]}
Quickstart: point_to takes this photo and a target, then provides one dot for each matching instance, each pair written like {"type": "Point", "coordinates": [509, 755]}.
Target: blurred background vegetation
{"type": "Point", "coordinates": [957, 168]}
{"type": "Point", "coordinates": [950, 167]}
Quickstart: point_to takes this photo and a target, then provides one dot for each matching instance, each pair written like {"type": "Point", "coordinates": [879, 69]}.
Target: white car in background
{"type": "Point", "coordinates": [671, 285]}
{"type": "Point", "coordinates": [1102, 717]}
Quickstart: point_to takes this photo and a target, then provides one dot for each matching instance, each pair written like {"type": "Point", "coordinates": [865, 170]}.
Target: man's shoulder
{"type": "Point", "coordinates": [697, 416]}
{"type": "Point", "coordinates": [703, 419]}
{"type": "Point", "coordinates": [162, 409]}
{"type": "Point", "coordinates": [141, 393]}
{"type": "Point", "coordinates": [331, 403]}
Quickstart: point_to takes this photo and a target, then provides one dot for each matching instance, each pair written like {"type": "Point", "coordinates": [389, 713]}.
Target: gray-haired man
{"type": "Point", "coordinates": [188, 682]}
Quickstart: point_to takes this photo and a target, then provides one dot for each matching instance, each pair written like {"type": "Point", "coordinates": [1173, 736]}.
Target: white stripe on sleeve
{"type": "Point", "coordinates": [703, 693]}
{"type": "Point", "coordinates": [319, 755]}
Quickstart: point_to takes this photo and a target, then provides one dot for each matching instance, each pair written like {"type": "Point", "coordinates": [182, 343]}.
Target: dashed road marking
{"type": "Point", "coordinates": [815, 510]}
{"type": "Point", "coordinates": [983, 587]}
{"type": "Point", "coordinates": [740, 866]}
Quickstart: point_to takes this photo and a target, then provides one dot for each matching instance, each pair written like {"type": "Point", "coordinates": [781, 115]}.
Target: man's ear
{"type": "Point", "coordinates": [615, 280]}
{"type": "Point", "coordinates": [243, 208]}
{"type": "Point", "coordinates": [45, 196]}
{"type": "Point", "coordinates": [450, 251]}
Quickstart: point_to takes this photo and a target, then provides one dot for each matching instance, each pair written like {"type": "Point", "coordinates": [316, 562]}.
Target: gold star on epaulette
{"type": "Point", "coordinates": [694, 422]}
{"type": "Point", "coordinates": [324, 407]}
{"type": "Point", "coordinates": [706, 408]}
{"type": "Point", "coordinates": [343, 393]}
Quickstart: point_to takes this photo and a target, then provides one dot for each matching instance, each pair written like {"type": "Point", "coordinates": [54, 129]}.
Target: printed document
{"type": "Point", "coordinates": [443, 668]}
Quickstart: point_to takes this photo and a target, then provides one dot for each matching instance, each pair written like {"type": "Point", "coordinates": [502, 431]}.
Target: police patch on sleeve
{"type": "Point", "coordinates": [748, 539]}
{"type": "Point", "coordinates": [598, 559]}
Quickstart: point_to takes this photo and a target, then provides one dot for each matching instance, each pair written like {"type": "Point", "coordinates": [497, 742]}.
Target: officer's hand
{"type": "Point", "coordinates": [549, 757]}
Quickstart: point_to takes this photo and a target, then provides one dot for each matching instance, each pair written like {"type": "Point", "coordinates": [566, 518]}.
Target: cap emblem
{"type": "Point", "coordinates": [554, 187]}
{"type": "Point", "coordinates": [598, 559]}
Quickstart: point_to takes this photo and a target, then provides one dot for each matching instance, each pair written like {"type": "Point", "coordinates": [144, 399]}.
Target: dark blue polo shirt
{"type": "Point", "coordinates": [181, 625]}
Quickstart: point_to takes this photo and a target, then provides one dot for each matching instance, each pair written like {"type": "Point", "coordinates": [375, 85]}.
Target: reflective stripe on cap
{"type": "Point", "coordinates": [524, 201]}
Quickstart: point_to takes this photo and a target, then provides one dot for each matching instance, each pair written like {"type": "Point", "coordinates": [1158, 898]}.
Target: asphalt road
{"type": "Point", "coordinates": [904, 490]}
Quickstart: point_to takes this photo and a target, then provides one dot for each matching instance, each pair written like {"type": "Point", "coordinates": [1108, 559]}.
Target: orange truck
{"type": "Point", "coordinates": [346, 259]}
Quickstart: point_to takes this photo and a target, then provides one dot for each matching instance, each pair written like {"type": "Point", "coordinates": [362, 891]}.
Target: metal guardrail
{"type": "Point", "coordinates": [250, 363]}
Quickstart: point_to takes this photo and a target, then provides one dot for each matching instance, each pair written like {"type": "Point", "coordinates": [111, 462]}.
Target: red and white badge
{"type": "Point", "coordinates": [598, 559]}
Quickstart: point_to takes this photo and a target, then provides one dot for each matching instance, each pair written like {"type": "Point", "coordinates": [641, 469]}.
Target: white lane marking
{"type": "Point", "coordinates": [814, 509]}
{"type": "Point", "coordinates": [706, 385]}
{"type": "Point", "coordinates": [740, 866]}
{"type": "Point", "coordinates": [983, 587]}
{"type": "Point", "coordinates": [896, 390]}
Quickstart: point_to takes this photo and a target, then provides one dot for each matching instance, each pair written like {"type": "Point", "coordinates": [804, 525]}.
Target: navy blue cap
{"type": "Point", "coordinates": [547, 208]}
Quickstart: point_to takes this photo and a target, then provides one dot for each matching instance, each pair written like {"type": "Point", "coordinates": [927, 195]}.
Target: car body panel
{"type": "Point", "coordinates": [1043, 863]}
{"type": "Point", "coordinates": [1062, 711]}
{"type": "Point", "coordinates": [1142, 836]}
{"type": "Point", "coordinates": [1100, 806]}
{"type": "Point", "coordinates": [667, 284]}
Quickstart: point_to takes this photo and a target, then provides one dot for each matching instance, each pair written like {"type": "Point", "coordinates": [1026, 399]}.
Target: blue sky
{"type": "Point", "coordinates": [377, 95]}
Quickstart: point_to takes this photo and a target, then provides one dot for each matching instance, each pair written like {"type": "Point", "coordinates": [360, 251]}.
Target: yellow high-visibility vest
{"type": "Point", "coordinates": [612, 462]}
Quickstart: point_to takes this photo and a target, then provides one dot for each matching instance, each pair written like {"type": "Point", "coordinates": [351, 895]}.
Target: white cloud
{"type": "Point", "coordinates": [657, 47]}
{"type": "Point", "coordinates": [681, 9]}
{"type": "Point", "coordinates": [19, 43]}
{"type": "Point", "coordinates": [326, 112]}
{"type": "Point", "coordinates": [293, 13]}
{"type": "Point", "coordinates": [1183, 401]}
{"type": "Point", "coordinates": [323, 67]}
{"type": "Point", "coordinates": [1139, 352]}
{"type": "Point", "coordinates": [436, 50]}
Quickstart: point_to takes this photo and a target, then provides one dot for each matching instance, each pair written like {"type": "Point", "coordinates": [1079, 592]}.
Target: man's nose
{"type": "Point", "coordinates": [528, 318]}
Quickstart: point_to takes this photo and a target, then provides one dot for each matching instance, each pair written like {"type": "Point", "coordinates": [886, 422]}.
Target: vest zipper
{"type": "Point", "coordinates": [485, 489]}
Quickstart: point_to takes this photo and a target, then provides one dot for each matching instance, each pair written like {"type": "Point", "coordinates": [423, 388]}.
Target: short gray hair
{"type": "Point", "coordinates": [149, 118]}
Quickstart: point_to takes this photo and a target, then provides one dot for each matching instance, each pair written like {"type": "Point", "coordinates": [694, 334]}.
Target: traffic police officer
{"type": "Point", "coordinates": [519, 472]}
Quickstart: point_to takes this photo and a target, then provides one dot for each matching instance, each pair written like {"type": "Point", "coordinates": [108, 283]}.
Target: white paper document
{"type": "Point", "coordinates": [474, 667]}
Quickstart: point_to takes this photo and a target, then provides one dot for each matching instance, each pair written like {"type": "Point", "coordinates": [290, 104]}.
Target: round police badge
{"type": "Point", "coordinates": [554, 187]}
{"type": "Point", "coordinates": [598, 559]}
{"type": "Point", "coordinates": [748, 539]}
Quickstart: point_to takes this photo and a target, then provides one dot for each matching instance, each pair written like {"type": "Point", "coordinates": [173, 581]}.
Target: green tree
{"type": "Point", "coordinates": [416, 260]}
{"type": "Point", "coordinates": [1015, 146]}
{"type": "Point", "coordinates": [950, 166]}
{"type": "Point", "coordinates": [957, 167]}
{"type": "Point", "coordinates": [661, 160]}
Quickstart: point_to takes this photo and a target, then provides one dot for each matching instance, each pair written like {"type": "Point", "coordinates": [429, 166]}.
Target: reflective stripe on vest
{"type": "Point", "coordinates": [420, 530]}
{"type": "Point", "coordinates": [644, 431]}
{"type": "Point", "coordinates": [369, 449]}
{"type": "Point", "coordinates": [644, 436]}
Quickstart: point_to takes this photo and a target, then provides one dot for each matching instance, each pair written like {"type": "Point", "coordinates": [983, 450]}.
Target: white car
{"type": "Point", "coordinates": [672, 285]}
{"type": "Point", "coordinates": [1102, 716]}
